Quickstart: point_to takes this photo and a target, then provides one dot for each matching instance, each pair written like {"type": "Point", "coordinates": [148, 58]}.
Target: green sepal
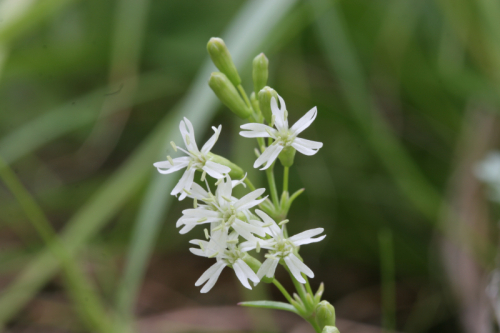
{"type": "Point", "coordinates": [270, 305]}
{"type": "Point", "coordinates": [252, 262]}
{"type": "Point", "coordinates": [221, 57]}
{"type": "Point", "coordinates": [265, 95]}
{"type": "Point", "coordinates": [260, 73]}
{"type": "Point", "coordinates": [236, 171]}
{"type": "Point", "coordinates": [287, 156]}
{"type": "Point", "coordinates": [227, 93]}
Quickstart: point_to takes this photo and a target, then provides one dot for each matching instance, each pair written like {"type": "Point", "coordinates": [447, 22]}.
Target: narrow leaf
{"type": "Point", "coordinates": [270, 305]}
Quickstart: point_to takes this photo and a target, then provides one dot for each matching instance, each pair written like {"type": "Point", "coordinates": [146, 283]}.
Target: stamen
{"type": "Point", "coordinates": [187, 192]}
{"type": "Point", "coordinates": [218, 227]}
{"type": "Point", "coordinates": [285, 114]}
{"type": "Point", "coordinates": [258, 247]}
{"type": "Point", "coordinates": [201, 244]}
{"type": "Point", "coordinates": [284, 222]}
{"type": "Point", "coordinates": [173, 145]}
{"type": "Point", "coordinates": [195, 203]}
{"type": "Point", "coordinates": [267, 224]}
{"type": "Point", "coordinates": [219, 181]}
{"type": "Point", "coordinates": [232, 241]}
{"type": "Point", "coordinates": [203, 175]}
{"type": "Point", "coordinates": [226, 198]}
{"type": "Point", "coordinates": [207, 236]}
{"type": "Point", "coordinates": [170, 160]}
{"type": "Point", "coordinates": [231, 219]}
{"type": "Point", "coordinates": [214, 255]}
{"type": "Point", "coordinates": [202, 220]}
{"type": "Point", "coordinates": [273, 119]}
{"type": "Point", "coordinates": [187, 140]}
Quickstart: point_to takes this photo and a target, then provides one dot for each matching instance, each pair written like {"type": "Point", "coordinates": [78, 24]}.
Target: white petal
{"type": "Point", "coordinates": [294, 269]}
{"type": "Point", "coordinates": [200, 213]}
{"type": "Point", "coordinates": [249, 272]}
{"type": "Point", "coordinates": [243, 202]}
{"type": "Point", "coordinates": [185, 182]}
{"type": "Point", "coordinates": [240, 273]}
{"type": "Point", "coordinates": [269, 155]}
{"type": "Point", "coordinates": [307, 234]}
{"type": "Point", "coordinates": [188, 132]}
{"type": "Point", "coordinates": [251, 228]}
{"type": "Point", "coordinates": [216, 170]}
{"type": "Point", "coordinates": [187, 228]}
{"type": "Point", "coordinates": [304, 122]}
{"type": "Point", "coordinates": [208, 273]}
{"type": "Point", "coordinates": [165, 167]}
{"type": "Point", "coordinates": [198, 192]}
{"type": "Point", "coordinates": [211, 142]}
{"type": "Point", "coordinates": [309, 240]}
{"type": "Point", "coordinates": [213, 279]}
{"type": "Point", "coordinates": [257, 131]}
{"type": "Point", "coordinates": [279, 114]}
{"type": "Point", "coordinates": [301, 266]}
{"type": "Point", "coordinates": [243, 229]}
{"type": "Point", "coordinates": [268, 267]}
{"type": "Point", "coordinates": [305, 148]}
{"type": "Point", "coordinates": [224, 189]}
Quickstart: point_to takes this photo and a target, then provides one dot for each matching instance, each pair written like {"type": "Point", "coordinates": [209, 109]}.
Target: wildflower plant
{"type": "Point", "coordinates": [249, 234]}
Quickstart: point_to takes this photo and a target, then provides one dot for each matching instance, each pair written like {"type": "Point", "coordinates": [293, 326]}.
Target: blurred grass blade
{"type": "Point", "coordinates": [73, 115]}
{"type": "Point", "coordinates": [99, 209]}
{"type": "Point", "coordinates": [87, 300]}
{"type": "Point", "coordinates": [388, 286]}
{"type": "Point", "coordinates": [343, 61]}
{"type": "Point", "coordinates": [247, 32]}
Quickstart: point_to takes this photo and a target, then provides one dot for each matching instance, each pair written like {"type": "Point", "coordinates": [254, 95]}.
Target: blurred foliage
{"type": "Point", "coordinates": [91, 92]}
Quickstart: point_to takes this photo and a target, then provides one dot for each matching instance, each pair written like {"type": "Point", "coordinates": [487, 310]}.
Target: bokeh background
{"type": "Point", "coordinates": [92, 92]}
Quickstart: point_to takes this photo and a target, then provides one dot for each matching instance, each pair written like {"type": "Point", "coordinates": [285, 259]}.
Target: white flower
{"type": "Point", "coordinates": [488, 171]}
{"type": "Point", "coordinates": [196, 160]}
{"type": "Point", "coordinates": [281, 247]}
{"type": "Point", "coordinates": [228, 254]}
{"type": "Point", "coordinates": [222, 210]}
{"type": "Point", "coordinates": [282, 135]}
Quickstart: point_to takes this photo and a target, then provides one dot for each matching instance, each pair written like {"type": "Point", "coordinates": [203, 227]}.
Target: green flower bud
{"type": "Point", "coordinates": [265, 95]}
{"type": "Point", "coordinates": [286, 156]}
{"type": "Point", "coordinates": [330, 329]}
{"type": "Point", "coordinates": [325, 314]}
{"type": "Point", "coordinates": [260, 72]}
{"type": "Point", "coordinates": [236, 171]}
{"type": "Point", "coordinates": [252, 262]}
{"type": "Point", "coordinates": [222, 59]}
{"type": "Point", "coordinates": [228, 95]}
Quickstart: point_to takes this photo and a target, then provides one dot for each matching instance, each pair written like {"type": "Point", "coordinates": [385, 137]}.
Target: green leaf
{"type": "Point", "coordinates": [270, 305]}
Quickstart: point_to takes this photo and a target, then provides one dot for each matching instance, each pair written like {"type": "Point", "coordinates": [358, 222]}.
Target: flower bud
{"type": "Point", "coordinates": [286, 156]}
{"type": "Point", "coordinates": [228, 95]}
{"type": "Point", "coordinates": [265, 95]}
{"type": "Point", "coordinates": [325, 314]}
{"type": "Point", "coordinates": [235, 173]}
{"type": "Point", "coordinates": [330, 329]}
{"type": "Point", "coordinates": [260, 72]}
{"type": "Point", "coordinates": [252, 262]}
{"type": "Point", "coordinates": [222, 59]}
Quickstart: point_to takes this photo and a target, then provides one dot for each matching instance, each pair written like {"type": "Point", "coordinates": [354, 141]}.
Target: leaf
{"type": "Point", "coordinates": [270, 305]}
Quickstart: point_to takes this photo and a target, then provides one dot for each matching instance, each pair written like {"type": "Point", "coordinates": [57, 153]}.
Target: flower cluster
{"type": "Point", "coordinates": [234, 226]}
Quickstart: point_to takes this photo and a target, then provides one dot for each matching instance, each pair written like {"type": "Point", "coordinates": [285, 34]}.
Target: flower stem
{"type": "Point", "coordinates": [285, 179]}
{"type": "Point", "coordinates": [283, 290]}
{"type": "Point", "coordinates": [249, 184]}
{"type": "Point", "coordinates": [245, 97]}
{"type": "Point", "coordinates": [272, 185]}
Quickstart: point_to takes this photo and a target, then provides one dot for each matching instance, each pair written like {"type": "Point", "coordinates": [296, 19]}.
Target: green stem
{"type": "Point", "coordinates": [308, 286]}
{"type": "Point", "coordinates": [283, 290]}
{"type": "Point", "coordinates": [78, 286]}
{"type": "Point", "coordinates": [251, 187]}
{"type": "Point", "coordinates": [314, 325]}
{"type": "Point", "coordinates": [285, 179]}
{"type": "Point", "coordinates": [245, 97]}
{"type": "Point", "coordinates": [272, 185]}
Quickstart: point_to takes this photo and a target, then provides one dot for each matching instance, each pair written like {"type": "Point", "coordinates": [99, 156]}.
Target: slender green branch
{"type": "Point", "coordinates": [249, 184]}
{"type": "Point", "coordinates": [308, 286]}
{"type": "Point", "coordinates": [283, 290]}
{"type": "Point", "coordinates": [272, 185]}
{"type": "Point", "coordinates": [285, 179]}
{"type": "Point", "coordinates": [245, 97]}
{"type": "Point", "coordinates": [80, 289]}
{"type": "Point", "coordinates": [314, 325]}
